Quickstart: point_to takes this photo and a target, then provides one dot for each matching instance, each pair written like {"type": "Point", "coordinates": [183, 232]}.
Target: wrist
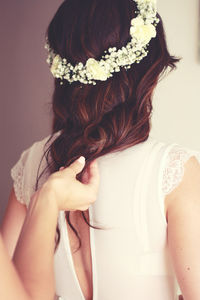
{"type": "Point", "coordinates": [44, 200]}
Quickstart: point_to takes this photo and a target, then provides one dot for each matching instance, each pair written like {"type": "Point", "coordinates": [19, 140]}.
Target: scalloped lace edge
{"type": "Point", "coordinates": [17, 174]}
{"type": "Point", "coordinates": [174, 170]}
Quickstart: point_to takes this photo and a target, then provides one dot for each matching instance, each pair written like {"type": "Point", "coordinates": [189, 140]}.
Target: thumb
{"type": "Point", "coordinates": [78, 165]}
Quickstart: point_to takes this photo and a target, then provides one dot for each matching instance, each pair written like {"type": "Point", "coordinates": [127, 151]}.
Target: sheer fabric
{"type": "Point", "coordinates": [174, 170]}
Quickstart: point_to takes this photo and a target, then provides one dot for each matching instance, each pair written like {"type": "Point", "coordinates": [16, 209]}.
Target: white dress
{"type": "Point", "coordinates": [130, 259]}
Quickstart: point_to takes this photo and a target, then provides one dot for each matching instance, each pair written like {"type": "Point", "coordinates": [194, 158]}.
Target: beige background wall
{"type": "Point", "coordinates": [26, 84]}
{"type": "Point", "coordinates": [177, 99]}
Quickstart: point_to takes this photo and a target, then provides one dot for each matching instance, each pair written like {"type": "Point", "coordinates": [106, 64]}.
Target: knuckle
{"type": "Point", "coordinates": [71, 172]}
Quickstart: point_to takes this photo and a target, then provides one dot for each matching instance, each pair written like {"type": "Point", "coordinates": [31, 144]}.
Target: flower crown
{"type": "Point", "coordinates": [142, 30]}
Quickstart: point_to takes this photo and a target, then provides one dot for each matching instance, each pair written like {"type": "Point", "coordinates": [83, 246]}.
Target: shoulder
{"type": "Point", "coordinates": [173, 165]}
{"type": "Point", "coordinates": [175, 158]}
{"type": "Point", "coordinates": [172, 158]}
{"type": "Point", "coordinates": [31, 154]}
{"type": "Point", "coordinates": [188, 185]}
{"type": "Point", "coordinates": [38, 147]}
{"type": "Point", "coordinates": [183, 209]}
{"type": "Point", "coordinates": [179, 174]}
{"type": "Point", "coordinates": [174, 162]}
{"type": "Point", "coordinates": [25, 171]}
{"type": "Point", "coordinates": [42, 144]}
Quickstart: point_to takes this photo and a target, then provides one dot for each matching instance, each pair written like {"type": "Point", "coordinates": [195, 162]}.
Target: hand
{"type": "Point", "coordinates": [69, 193]}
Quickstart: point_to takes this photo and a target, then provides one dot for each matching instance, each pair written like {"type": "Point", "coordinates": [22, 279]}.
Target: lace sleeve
{"type": "Point", "coordinates": [174, 170]}
{"type": "Point", "coordinates": [25, 172]}
{"type": "Point", "coordinates": [17, 174]}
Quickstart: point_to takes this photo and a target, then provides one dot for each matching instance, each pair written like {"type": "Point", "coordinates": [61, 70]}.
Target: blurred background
{"type": "Point", "coordinates": [26, 84]}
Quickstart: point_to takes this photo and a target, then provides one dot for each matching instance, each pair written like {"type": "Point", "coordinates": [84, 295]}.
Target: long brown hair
{"type": "Point", "coordinates": [114, 114]}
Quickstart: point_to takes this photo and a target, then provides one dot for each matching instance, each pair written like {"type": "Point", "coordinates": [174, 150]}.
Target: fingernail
{"type": "Point", "coordinates": [81, 159]}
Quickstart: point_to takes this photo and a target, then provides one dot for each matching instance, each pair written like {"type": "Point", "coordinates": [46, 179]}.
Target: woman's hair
{"type": "Point", "coordinates": [114, 114]}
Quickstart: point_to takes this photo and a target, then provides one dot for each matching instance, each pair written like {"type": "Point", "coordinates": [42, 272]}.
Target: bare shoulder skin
{"type": "Point", "coordinates": [183, 217]}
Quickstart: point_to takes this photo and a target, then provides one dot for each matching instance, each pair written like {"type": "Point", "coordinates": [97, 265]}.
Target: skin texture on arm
{"type": "Point", "coordinates": [183, 216]}
{"type": "Point", "coordinates": [34, 253]}
{"type": "Point", "coordinates": [12, 223]}
{"type": "Point", "coordinates": [10, 283]}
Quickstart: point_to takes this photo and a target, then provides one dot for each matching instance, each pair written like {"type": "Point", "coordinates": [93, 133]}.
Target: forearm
{"type": "Point", "coordinates": [34, 253]}
{"type": "Point", "coordinates": [10, 284]}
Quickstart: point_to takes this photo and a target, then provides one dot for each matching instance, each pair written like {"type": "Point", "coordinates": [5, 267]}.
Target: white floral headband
{"type": "Point", "coordinates": [142, 30]}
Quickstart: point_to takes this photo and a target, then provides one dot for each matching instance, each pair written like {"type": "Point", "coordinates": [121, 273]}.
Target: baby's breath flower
{"type": "Point", "coordinates": [142, 30]}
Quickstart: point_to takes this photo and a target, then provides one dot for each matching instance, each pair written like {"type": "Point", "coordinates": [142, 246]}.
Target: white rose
{"type": "Point", "coordinates": [136, 22]}
{"type": "Point", "coordinates": [55, 64]}
{"type": "Point", "coordinates": [142, 32]}
{"type": "Point", "coordinates": [98, 72]}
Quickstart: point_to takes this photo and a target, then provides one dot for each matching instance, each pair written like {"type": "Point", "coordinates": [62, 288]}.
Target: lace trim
{"type": "Point", "coordinates": [24, 189]}
{"type": "Point", "coordinates": [17, 174]}
{"type": "Point", "coordinates": [174, 170]}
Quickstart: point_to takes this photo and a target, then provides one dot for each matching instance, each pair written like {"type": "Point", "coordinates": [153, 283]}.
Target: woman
{"type": "Point", "coordinates": [107, 57]}
{"type": "Point", "coordinates": [60, 191]}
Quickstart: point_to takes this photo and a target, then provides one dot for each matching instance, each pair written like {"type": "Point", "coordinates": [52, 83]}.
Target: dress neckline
{"type": "Point", "coordinates": [69, 254]}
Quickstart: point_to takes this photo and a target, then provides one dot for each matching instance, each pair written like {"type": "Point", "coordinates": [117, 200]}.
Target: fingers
{"type": "Point", "coordinates": [85, 177]}
{"type": "Point", "coordinates": [85, 191]}
{"type": "Point", "coordinates": [94, 177]}
{"type": "Point", "coordinates": [77, 166]}
{"type": "Point", "coordinates": [90, 179]}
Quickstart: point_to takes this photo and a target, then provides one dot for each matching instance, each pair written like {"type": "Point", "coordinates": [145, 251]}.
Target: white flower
{"type": "Point", "coordinates": [142, 32]}
{"type": "Point", "coordinates": [98, 72]}
{"type": "Point", "coordinates": [55, 64]}
{"type": "Point", "coordinates": [147, 1]}
{"type": "Point", "coordinates": [137, 22]}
